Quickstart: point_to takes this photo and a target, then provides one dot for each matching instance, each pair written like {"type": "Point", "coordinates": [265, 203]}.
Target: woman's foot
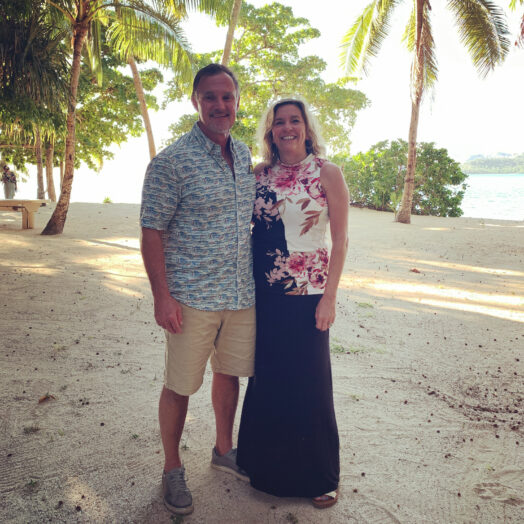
{"type": "Point", "coordinates": [326, 501]}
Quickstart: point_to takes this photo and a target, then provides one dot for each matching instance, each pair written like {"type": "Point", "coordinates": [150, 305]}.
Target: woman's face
{"type": "Point", "coordinates": [289, 131]}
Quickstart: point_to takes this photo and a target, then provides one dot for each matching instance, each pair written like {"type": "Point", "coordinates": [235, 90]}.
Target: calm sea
{"type": "Point", "coordinates": [494, 196]}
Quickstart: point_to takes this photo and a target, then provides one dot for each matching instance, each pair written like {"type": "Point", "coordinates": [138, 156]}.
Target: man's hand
{"type": "Point", "coordinates": [168, 314]}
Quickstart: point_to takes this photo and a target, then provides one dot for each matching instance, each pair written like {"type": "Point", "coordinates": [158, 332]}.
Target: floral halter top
{"type": "Point", "coordinates": [289, 234]}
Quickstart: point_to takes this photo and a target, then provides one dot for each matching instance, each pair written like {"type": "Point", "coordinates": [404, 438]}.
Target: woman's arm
{"type": "Point", "coordinates": [337, 194]}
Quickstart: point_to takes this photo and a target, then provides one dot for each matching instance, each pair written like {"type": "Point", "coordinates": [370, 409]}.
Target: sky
{"type": "Point", "coordinates": [465, 114]}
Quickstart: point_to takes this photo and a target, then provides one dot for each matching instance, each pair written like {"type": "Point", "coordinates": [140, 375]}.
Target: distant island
{"type": "Point", "coordinates": [499, 163]}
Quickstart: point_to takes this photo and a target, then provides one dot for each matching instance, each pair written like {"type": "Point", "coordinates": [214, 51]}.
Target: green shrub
{"type": "Point", "coordinates": [376, 179]}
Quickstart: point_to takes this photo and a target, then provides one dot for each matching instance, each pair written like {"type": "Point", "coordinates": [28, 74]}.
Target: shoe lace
{"type": "Point", "coordinates": [177, 481]}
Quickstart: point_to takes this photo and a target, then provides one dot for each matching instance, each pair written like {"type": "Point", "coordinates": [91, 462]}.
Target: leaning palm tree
{"type": "Point", "coordinates": [235, 13]}
{"type": "Point", "coordinates": [134, 37]}
{"type": "Point", "coordinates": [84, 17]}
{"type": "Point", "coordinates": [482, 29]}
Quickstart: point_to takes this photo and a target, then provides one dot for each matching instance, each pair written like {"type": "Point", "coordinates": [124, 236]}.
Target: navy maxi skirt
{"type": "Point", "coordinates": [288, 439]}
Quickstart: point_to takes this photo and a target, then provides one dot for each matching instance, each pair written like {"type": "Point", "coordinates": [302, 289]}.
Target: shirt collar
{"type": "Point", "coordinates": [206, 142]}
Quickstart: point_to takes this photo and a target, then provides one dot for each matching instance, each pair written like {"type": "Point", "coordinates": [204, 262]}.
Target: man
{"type": "Point", "coordinates": [197, 203]}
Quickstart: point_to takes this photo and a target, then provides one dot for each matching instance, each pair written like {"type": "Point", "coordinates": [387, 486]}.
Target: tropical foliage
{"type": "Point", "coordinates": [376, 179]}
{"type": "Point", "coordinates": [499, 164]}
{"type": "Point", "coordinates": [85, 18]}
{"type": "Point", "coordinates": [265, 57]}
{"type": "Point", "coordinates": [482, 29]}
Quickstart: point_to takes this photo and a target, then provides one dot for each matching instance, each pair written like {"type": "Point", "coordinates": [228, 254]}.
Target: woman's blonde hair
{"type": "Point", "coordinates": [314, 142]}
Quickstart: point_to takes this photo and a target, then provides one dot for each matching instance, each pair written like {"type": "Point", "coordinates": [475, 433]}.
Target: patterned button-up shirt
{"type": "Point", "coordinates": [190, 193]}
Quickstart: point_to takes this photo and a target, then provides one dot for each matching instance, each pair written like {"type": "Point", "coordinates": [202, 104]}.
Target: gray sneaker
{"type": "Point", "coordinates": [228, 463]}
{"type": "Point", "coordinates": [177, 497]}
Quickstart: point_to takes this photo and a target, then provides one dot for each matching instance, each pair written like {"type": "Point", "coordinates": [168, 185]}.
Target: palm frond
{"type": "Point", "coordinates": [150, 35]}
{"type": "Point", "coordinates": [427, 63]}
{"type": "Point", "coordinates": [94, 49]}
{"type": "Point", "coordinates": [483, 30]}
{"type": "Point", "coordinates": [410, 33]}
{"type": "Point", "coordinates": [364, 39]}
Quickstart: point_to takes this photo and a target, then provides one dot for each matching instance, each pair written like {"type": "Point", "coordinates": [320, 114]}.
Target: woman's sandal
{"type": "Point", "coordinates": [326, 501]}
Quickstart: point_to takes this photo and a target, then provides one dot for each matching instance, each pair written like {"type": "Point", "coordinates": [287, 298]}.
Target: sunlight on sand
{"type": "Point", "coordinates": [501, 306]}
{"type": "Point", "coordinates": [506, 314]}
{"type": "Point", "coordinates": [124, 290]}
{"type": "Point", "coordinates": [39, 269]}
{"type": "Point", "coordinates": [462, 267]}
{"type": "Point", "coordinates": [125, 242]}
{"type": "Point", "coordinates": [80, 494]}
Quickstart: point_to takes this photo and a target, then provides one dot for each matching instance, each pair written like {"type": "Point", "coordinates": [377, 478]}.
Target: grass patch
{"type": "Point", "coordinates": [31, 485]}
{"type": "Point", "coordinates": [29, 430]}
{"type": "Point", "coordinates": [337, 348]}
{"type": "Point", "coordinates": [107, 200]}
{"type": "Point", "coordinates": [365, 305]}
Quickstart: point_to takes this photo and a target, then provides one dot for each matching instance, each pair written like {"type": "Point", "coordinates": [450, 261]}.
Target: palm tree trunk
{"type": "Point", "coordinates": [143, 107]}
{"type": "Point", "coordinates": [61, 173]}
{"type": "Point", "coordinates": [49, 151]}
{"type": "Point", "coordinates": [56, 223]}
{"type": "Point", "coordinates": [404, 214]}
{"type": "Point", "coordinates": [40, 193]}
{"type": "Point", "coordinates": [235, 12]}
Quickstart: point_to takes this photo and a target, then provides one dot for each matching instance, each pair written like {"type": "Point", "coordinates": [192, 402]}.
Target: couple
{"type": "Point", "coordinates": [204, 261]}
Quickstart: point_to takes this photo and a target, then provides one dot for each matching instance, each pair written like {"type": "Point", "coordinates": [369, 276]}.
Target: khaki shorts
{"type": "Point", "coordinates": [228, 337]}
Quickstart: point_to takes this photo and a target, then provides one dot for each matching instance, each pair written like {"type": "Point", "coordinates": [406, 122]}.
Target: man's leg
{"type": "Point", "coordinates": [224, 396]}
{"type": "Point", "coordinates": [172, 412]}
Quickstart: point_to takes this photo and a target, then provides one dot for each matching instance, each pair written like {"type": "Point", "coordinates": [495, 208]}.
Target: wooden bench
{"type": "Point", "coordinates": [28, 208]}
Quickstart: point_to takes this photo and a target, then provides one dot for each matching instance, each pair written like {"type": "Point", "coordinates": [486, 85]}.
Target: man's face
{"type": "Point", "coordinates": [216, 101]}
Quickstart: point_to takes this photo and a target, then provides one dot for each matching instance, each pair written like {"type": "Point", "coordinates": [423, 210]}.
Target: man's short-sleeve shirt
{"type": "Point", "coordinates": [190, 193]}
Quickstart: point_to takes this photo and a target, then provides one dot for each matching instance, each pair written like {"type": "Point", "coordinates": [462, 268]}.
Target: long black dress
{"type": "Point", "coordinates": [288, 439]}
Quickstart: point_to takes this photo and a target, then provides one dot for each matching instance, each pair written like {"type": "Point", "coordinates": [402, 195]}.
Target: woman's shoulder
{"type": "Point", "coordinates": [330, 170]}
{"type": "Point", "coordinates": [259, 168]}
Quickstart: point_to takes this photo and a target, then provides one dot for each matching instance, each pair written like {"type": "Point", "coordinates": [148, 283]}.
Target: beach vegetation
{"type": "Point", "coordinates": [265, 58]}
{"type": "Point", "coordinates": [107, 200]}
{"type": "Point", "coordinates": [376, 178]}
{"type": "Point", "coordinates": [86, 19]}
{"type": "Point", "coordinates": [482, 29]}
{"type": "Point", "coordinates": [29, 430]}
{"type": "Point", "coordinates": [498, 164]}
{"type": "Point", "coordinates": [337, 348]}
{"type": "Point", "coordinates": [33, 85]}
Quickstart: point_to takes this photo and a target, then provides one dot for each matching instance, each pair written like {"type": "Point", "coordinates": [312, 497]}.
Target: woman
{"type": "Point", "coordinates": [288, 439]}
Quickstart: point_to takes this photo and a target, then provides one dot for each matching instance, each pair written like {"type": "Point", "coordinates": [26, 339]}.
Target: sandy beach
{"type": "Point", "coordinates": [427, 356]}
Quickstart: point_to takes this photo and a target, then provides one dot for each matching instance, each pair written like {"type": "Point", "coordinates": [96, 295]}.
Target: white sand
{"type": "Point", "coordinates": [427, 376]}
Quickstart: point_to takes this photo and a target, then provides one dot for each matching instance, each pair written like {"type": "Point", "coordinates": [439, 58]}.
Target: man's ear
{"type": "Point", "coordinates": [194, 101]}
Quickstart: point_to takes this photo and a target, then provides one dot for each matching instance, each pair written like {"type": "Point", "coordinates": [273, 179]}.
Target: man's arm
{"type": "Point", "coordinates": [168, 312]}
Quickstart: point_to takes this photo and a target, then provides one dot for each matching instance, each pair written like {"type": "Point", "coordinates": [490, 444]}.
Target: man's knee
{"type": "Point", "coordinates": [172, 397]}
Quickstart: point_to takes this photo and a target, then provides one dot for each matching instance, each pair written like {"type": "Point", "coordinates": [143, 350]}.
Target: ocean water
{"type": "Point", "coordinates": [494, 196]}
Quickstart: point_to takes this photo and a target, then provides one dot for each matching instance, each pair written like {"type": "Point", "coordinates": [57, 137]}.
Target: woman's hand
{"type": "Point", "coordinates": [325, 312]}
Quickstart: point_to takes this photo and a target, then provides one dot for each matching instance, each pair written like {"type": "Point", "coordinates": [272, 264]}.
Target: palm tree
{"type": "Point", "coordinates": [133, 37]}
{"type": "Point", "coordinates": [235, 12]}
{"type": "Point", "coordinates": [84, 17]}
{"type": "Point", "coordinates": [32, 78]}
{"type": "Point", "coordinates": [482, 29]}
